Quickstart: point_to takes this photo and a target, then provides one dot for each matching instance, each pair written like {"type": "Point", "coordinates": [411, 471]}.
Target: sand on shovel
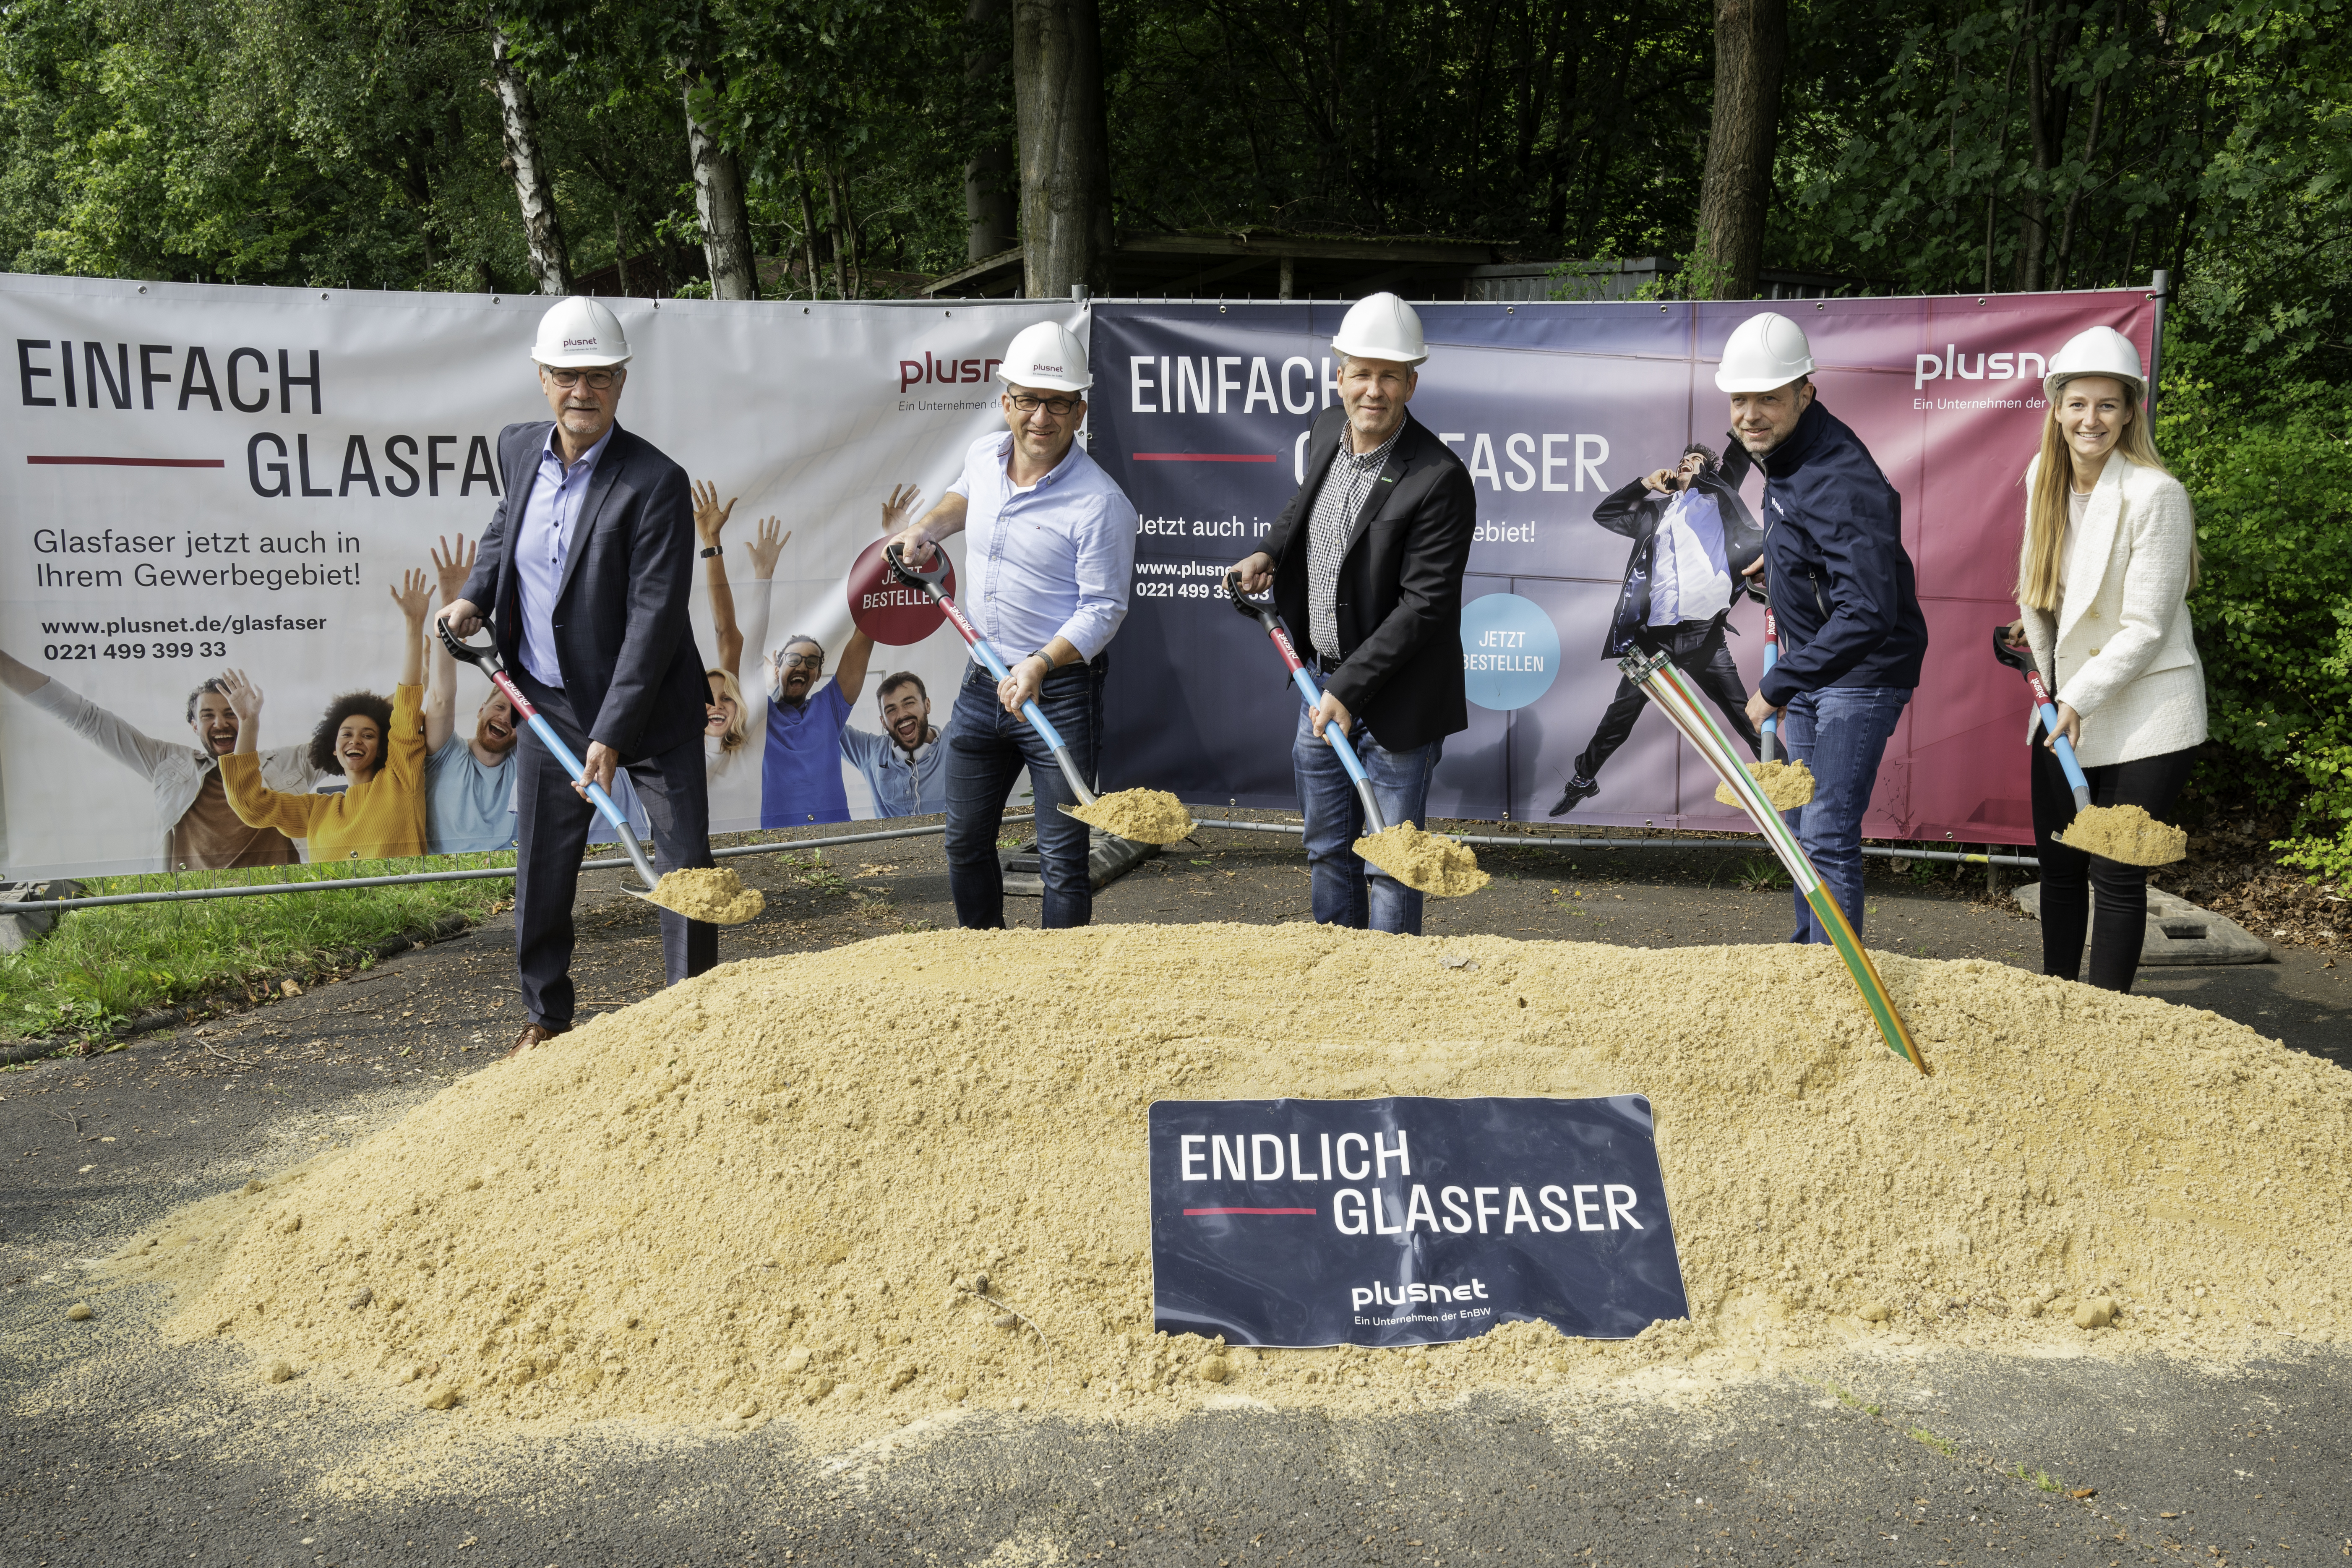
{"type": "Point", "coordinates": [1787, 785]}
{"type": "Point", "coordinates": [1145, 815]}
{"type": "Point", "coordinates": [709, 893]}
{"type": "Point", "coordinates": [1425, 862]}
{"type": "Point", "coordinates": [2126, 834]}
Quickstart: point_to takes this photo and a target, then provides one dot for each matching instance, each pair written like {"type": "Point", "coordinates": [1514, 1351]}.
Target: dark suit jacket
{"type": "Point", "coordinates": [1635, 511]}
{"type": "Point", "coordinates": [622, 636]}
{"type": "Point", "coordinates": [1399, 595]}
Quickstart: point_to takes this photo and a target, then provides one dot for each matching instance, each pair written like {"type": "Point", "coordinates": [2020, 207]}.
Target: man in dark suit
{"type": "Point", "coordinates": [1366, 560]}
{"type": "Point", "coordinates": [1693, 539]}
{"type": "Point", "coordinates": [586, 566]}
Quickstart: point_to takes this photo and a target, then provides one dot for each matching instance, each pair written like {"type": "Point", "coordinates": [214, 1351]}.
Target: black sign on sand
{"type": "Point", "coordinates": [1409, 1220]}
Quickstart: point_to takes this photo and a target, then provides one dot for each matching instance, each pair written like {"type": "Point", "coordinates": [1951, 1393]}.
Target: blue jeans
{"type": "Point", "coordinates": [987, 749]}
{"type": "Point", "coordinates": [1840, 732]}
{"type": "Point", "coordinates": [1348, 892]}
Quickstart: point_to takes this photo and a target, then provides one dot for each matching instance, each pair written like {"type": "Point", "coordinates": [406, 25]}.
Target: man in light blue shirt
{"type": "Point", "coordinates": [905, 765]}
{"type": "Point", "coordinates": [1046, 580]}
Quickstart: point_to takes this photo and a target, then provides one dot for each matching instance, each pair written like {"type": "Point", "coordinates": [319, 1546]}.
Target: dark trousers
{"type": "Point", "coordinates": [987, 749]}
{"type": "Point", "coordinates": [2069, 876]}
{"type": "Point", "coordinates": [1699, 651]}
{"type": "Point", "coordinates": [551, 827]}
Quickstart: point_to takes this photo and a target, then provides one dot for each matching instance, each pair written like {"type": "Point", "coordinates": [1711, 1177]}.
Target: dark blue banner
{"type": "Point", "coordinates": [1408, 1221]}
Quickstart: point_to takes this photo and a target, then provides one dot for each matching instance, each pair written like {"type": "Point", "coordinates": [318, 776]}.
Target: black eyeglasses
{"type": "Point", "coordinates": [1059, 408]}
{"type": "Point", "coordinates": [595, 380]}
{"type": "Point", "coordinates": [800, 661]}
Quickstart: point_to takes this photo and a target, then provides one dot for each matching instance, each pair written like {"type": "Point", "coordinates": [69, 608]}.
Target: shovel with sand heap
{"type": "Point", "coordinates": [1425, 862]}
{"type": "Point", "coordinates": [1679, 701]}
{"type": "Point", "coordinates": [1788, 784]}
{"type": "Point", "coordinates": [1145, 815]}
{"type": "Point", "coordinates": [2125, 833]}
{"type": "Point", "coordinates": [702, 893]}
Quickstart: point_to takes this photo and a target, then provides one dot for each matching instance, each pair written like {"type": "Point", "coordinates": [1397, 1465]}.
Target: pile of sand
{"type": "Point", "coordinates": [1787, 785]}
{"type": "Point", "coordinates": [1426, 862]}
{"type": "Point", "coordinates": [716, 895]}
{"type": "Point", "coordinates": [765, 1192]}
{"type": "Point", "coordinates": [1145, 815]}
{"type": "Point", "coordinates": [2125, 832]}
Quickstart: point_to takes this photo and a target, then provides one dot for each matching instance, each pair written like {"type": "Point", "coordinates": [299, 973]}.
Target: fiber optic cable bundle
{"type": "Point", "coordinates": [1679, 701]}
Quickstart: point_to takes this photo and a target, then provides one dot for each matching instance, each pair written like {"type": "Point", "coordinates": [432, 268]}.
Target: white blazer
{"type": "Point", "coordinates": [2120, 649]}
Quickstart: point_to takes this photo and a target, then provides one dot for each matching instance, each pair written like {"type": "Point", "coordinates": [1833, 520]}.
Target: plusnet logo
{"type": "Point", "coordinates": [580, 342]}
{"type": "Point", "coordinates": [2008, 366]}
{"type": "Point", "coordinates": [1413, 1293]}
{"type": "Point", "coordinates": [932, 371]}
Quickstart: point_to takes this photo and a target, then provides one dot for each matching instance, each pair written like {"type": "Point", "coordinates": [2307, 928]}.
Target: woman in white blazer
{"type": "Point", "coordinates": [2109, 556]}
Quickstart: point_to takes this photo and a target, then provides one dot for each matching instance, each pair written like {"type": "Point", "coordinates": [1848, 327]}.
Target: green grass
{"type": "Point", "coordinates": [1943, 1445]}
{"type": "Point", "coordinates": [100, 967]}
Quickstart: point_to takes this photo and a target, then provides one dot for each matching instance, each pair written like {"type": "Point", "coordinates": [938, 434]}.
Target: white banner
{"type": "Point", "coordinates": [200, 478]}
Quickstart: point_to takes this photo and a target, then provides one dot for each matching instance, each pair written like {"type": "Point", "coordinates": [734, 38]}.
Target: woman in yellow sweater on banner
{"type": "Point", "coordinates": [379, 746]}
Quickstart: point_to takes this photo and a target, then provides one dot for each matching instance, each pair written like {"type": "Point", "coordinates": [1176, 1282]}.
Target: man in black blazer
{"type": "Point", "coordinates": [586, 566]}
{"type": "Point", "coordinates": [1693, 540]}
{"type": "Point", "coordinates": [1367, 563]}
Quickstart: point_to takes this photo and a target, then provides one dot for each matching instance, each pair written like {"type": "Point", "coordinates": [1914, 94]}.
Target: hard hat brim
{"type": "Point", "coordinates": [1046, 383]}
{"type": "Point", "coordinates": [1758, 383]}
{"type": "Point", "coordinates": [1386, 355]}
{"type": "Point", "coordinates": [580, 362]}
{"type": "Point", "coordinates": [2055, 383]}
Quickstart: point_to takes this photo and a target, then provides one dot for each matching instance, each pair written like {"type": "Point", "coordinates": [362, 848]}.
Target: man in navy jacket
{"type": "Point", "coordinates": [1851, 637]}
{"type": "Point", "coordinates": [585, 568]}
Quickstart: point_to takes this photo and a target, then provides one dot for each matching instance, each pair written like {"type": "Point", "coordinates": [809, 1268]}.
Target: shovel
{"type": "Point", "coordinates": [488, 661]}
{"type": "Point", "coordinates": [1771, 657]}
{"type": "Point", "coordinates": [2022, 660]}
{"type": "Point", "coordinates": [1261, 611]}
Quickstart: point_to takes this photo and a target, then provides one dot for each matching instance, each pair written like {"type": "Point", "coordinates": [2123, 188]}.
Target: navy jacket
{"type": "Point", "coordinates": [630, 666]}
{"type": "Point", "coordinates": [1635, 511]}
{"type": "Point", "coordinates": [1840, 581]}
{"type": "Point", "coordinates": [1400, 595]}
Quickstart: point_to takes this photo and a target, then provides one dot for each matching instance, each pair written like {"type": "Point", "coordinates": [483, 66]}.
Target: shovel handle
{"type": "Point", "coordinates": [2058, 742]}
{"type": "Point", "coordinates": [929, 583]}
{"type": "Point", "coordinates": [489, 659]}
{"type": "Point", "coordinates": [1771, 656]}
{"type": "Point", "coordinates": [1264, 615]}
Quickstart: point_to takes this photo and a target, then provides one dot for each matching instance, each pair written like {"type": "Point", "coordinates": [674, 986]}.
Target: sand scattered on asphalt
{"type": "Point", "coordinates": [2126, 834]}
{"type": "Point", "coordinates": [764, 1194]}
{"type": "Point", "coordinates": [1787, 785]}
{"type": "Point", "coordinates": [1427, 862]}
{"type": "Point", "coordinates": [1145, 815]}
{"type": "Point", "coordinates": [716, 895]}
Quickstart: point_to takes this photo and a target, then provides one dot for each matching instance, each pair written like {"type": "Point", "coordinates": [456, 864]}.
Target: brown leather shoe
{"type": "Point", "coordinates": [532, 1034]}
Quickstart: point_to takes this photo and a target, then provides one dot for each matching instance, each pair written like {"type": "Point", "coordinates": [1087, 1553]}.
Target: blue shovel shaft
{"type": "Point", "coordinates": [1039, 722]}
{"type": "Point", "coordinates": [1772, 724]}
{"type": "Point", "coordinates": [597, 793]}
{"type": "Point", "coordinates": [1373, 820]}
{"type": "Point", "coordinates": [2075, 779]}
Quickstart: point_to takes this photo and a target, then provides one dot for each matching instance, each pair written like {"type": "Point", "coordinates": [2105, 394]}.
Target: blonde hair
{"type": "Point", "coordinates": [738, 727]}
{"type": "Point", "coordinates": [2053, 477]}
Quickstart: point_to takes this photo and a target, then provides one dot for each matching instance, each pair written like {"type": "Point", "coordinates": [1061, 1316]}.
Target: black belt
{"type": "Point", "coordinates": [1325, 665]}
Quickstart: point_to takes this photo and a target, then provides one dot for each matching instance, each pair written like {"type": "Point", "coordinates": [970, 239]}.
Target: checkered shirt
{"type": "Point", "coordinates": [1345, 484]}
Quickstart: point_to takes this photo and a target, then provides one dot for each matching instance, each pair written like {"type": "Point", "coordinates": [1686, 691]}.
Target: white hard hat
{"type": "Point", "coordinates": [2100, 351]}
{"type": "Point", "coordinates": [1765, 351]}
{"type": "Point", "coordinates": [1381, 326]}
{"type": "Point", "coordinates": [578, 333]}
{"type": "Point", "coordinates": [1049, 355]}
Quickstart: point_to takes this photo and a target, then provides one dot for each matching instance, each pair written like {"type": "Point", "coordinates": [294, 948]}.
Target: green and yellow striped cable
{"type": "Point", "coordinates": [1675, 697]}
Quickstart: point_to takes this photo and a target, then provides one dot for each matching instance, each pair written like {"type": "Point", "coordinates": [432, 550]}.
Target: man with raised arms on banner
{"type": "Point", "coordinates": [906, 765]}
{"type": "Point", "coordinates": [469, 779]}
{"type": "Point", "coordinates": [1841, 591]}
{"type": "Point", "coordinates": [799, 764]}
{"type": "Point", "coordinates": [1368, 558]}
{"type": "Point", "coordinates": [200, 830]}
{"type": "Point", "coordinates": [586, 570]}
{"type": "Point", "coordinates": [1692, 538]}
{"type": "Point", "coordinates": [1047, 572]}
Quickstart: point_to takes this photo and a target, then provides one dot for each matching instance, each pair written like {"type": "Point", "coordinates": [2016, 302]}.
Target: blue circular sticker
{"type": "Point", "coordinates": [1510, 652]}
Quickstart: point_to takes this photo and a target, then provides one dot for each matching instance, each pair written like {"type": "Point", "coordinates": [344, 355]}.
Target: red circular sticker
{"type": "Point", "coordinates": [887, 610]}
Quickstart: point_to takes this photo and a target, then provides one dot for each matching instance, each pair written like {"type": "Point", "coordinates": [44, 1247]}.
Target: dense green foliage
{"type": "Point", "coordinates": [1924, 146]}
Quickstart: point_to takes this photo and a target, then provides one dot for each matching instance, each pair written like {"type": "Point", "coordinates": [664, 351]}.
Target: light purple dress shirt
{"type": "Point", "coordinates": [1054, 560]}
{"type": "Point", "coordinates": [541, 544]}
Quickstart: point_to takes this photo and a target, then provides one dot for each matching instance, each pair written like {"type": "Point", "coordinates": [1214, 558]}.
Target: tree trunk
{"type": "Point", "coordinates": [991, 202]}
{"type": "Point", "coordinates": [1058, 96]}
{"type": "Point", "coordinates": [543, 227]}
{"type": "Point", "coordinates": [1751, 42]}
{"type": "Point", "coordinates": [719, 200]}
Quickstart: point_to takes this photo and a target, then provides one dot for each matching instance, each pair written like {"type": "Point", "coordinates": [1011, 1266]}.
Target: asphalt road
{"type": "Point", "coordinates": [121, 1451]}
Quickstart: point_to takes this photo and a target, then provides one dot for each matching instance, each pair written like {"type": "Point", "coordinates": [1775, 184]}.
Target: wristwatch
{"type": "Point", "coordinates": [709, 550]}
{"type": "Point", "coordinates": [1048, 656]}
